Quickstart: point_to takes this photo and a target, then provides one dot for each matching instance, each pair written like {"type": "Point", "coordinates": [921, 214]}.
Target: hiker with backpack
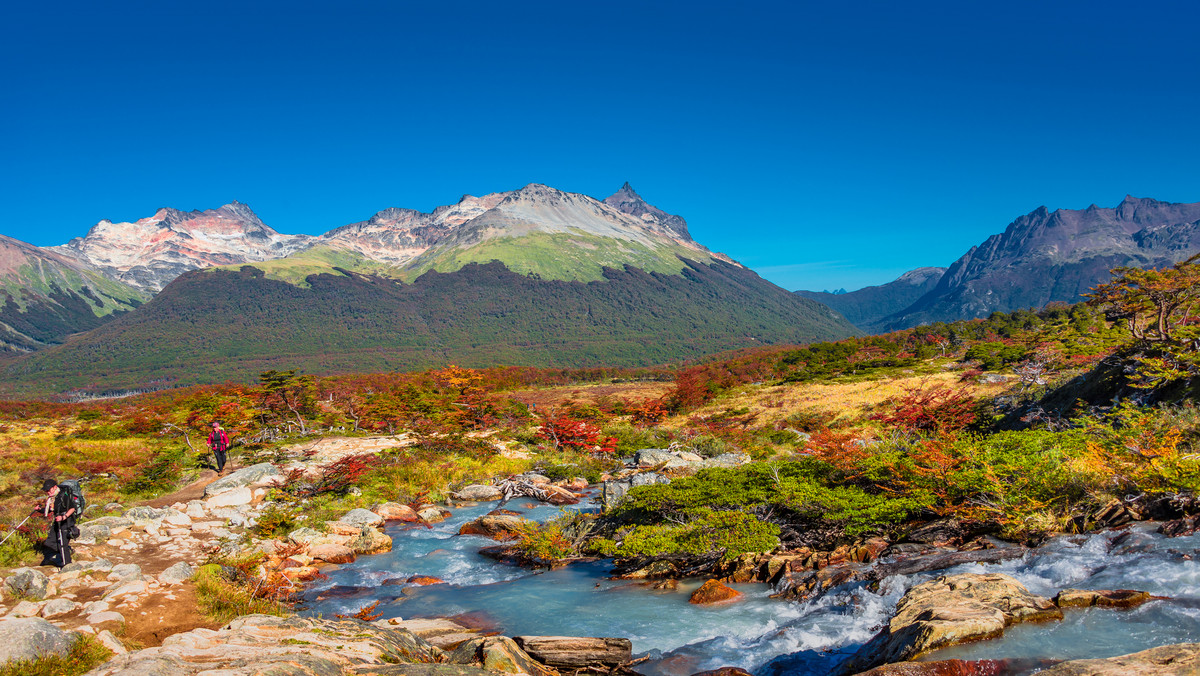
{"type": "Point", "coordinates": [218, 441]}
{"type": "Point", "coordinates": [64, 504]}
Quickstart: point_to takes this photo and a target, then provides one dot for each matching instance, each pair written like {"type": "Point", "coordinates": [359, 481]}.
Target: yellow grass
{"type": "Point", "coordinates": [851, 402]}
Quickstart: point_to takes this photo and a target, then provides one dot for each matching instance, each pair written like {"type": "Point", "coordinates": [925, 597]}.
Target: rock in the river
{"type": "Point", "coordinates": [1102, 598]}
{"type": "Point", "coordinates": [1183, 658]}
{"type": "Point", "coordinates": [498, 653]}
{"type": "Point", "coordinates": [394, 511]}
{"type": "Point", "coordinates": [433, 514]}
{"type": "Point", "coordinates": [29, 638]}
{"type": "Point", "coordinates": [495, 526]}
{"type": "Point", "coordinates": [478, 493]}
{"type": "Point", "coordinates": [27, 582]}
{"type": "Point", "coordinates": [950, 610]}
{"type": "Point", "coordinates": [262, 474]}
{"type": "Point", "coordinates": [714, 591]}
{"type": "Point", "coordinates": [371, 542]}
{"type": "Point", "coordinates": [331, 553]}
{"type": "Point", "coordinates": [572, 652]}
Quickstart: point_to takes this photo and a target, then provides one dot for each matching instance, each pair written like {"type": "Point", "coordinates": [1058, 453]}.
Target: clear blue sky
{"type": "Point", "coordinates": [824, 144]}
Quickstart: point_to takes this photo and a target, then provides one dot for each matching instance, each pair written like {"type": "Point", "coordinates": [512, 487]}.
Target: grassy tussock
{"type": "Point", "coordinates": [87, 654]}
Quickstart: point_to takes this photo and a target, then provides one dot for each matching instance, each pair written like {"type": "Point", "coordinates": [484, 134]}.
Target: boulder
{"type": "Point", "coordinates": [176, 574]}
{"type": "Point", "coordinates": [331, 553]}
{"type": "Point", "coordinates": [613, 492]}
{"type": "Point", "coordinates": [343, 528]}
{"type": "Point", "coordinates": [649, 457]}
{"type": "Point", "coordinates": [32, 637]}
{"type": "Point", "coordinates": [571, 652]}
{"type": "Point", "coordinates": [29, 583]}
{"type": "Point", "coordinates": [726, 460]}
{"type": "Point", "coordinates": [495, 526]}
{"type": "Point", "coordinates": [362, 517]}
{"type": "Point", "coordinates": [950, 610]}
{"type": "Point", "coordinates": [1101, 598]}
{"type": "Point", "coordinates": [805, 585]}
{"type": "Point", "coordinates": [535, 478]}
{"type": "Point", "coordinates": [125, 571]}
{"type": "Point", "coordinates": [262, 474]}
{"type": "Point", "coordinates": [432, 514]}
{"type": "Point", "coordinates": [497, 653]}
{"type": "Point", "coordinates": [478, 493]}
{"type": "Point", "coordinates": [110, 522]}
{"type": "Point", "coordinates": [394, 511]}
{"type": "Point", "coordinates": [714, 591]}
{"type": "Point", "coordinates": [371, 541]}
{"type": "Point", "coordinates": [85, 566]}
{"type": "Point", "coordinates": [90, 533]}
{"type": "Point", "coordinates": [424, 580]}
{"type": "Point", "coordinates": [231, 497]}
{"type": "Point", "coordinates": [1183, 658]}
{"type": "Point", "coordinates": [59, 607]}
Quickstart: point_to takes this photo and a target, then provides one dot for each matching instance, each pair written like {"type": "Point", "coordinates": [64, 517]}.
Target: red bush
{"type": "Point", "coordinates": [938, 409]}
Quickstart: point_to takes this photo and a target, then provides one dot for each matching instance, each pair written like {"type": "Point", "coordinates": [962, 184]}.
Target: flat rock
{"type": "Point", "coordinates": [105, 616]}
{"type": "Point", "coordinates": [573, 652]}
{"type": "Point", "coordinates": [233, 496]}
{"type": "Point", "coordinates": [131, 588]}
{"type": "Point", "coordinates": [25, 609]}
{"type": "Point", "coordinates": [177, 519]}
{"type": "Point", "coordinates": [125, 571]}
{"type": "Point", "coordinates": [1101, 598]}
{"type": "Point", "coordinates": [950, 610]}
{"type": "Point", "coordinates": [262, 474]}
{"type": "Point", "coordinates": [940, 668]}
{"type": "Point", "coordinates": [32, 637]}
{"type": "Point", "coordinates": [59, 607]}
{"type": "Point", "coordinates": [195, 509]}
{"type": "Point", "coordinates": [331, 553]}
{"type": "Point", "coordinates": [478, 493]}
{"type": "Point", "coordinates": [1183, 658]}
{"type": "Point", "coordinates": [362, 517]}
{"type": "Point", "coordinates": [106, 639]}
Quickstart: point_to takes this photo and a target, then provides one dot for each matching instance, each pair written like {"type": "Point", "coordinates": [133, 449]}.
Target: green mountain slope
{"type": "Point", "coordinates": [45, 297]}
{"type": "Point", "coordinates": [213, 325]}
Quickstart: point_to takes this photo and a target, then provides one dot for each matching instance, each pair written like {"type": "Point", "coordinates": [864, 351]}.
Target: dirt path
{"type": "Point", "coordinates": [192, 491]}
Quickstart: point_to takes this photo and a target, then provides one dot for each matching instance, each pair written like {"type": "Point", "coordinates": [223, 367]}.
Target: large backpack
{"type": "Point", "coordinates": [71, 486]}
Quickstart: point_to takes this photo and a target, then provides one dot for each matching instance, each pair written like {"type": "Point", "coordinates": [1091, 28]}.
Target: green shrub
{"type": "Point", "coordinates": [87, 654]}
{"type": "Point", "coordinates": [631, 438]}
{"type": "Point", "coordinates": [223, 600]}
{"type": "Point", "coordinates": [275, 522]}
{"type": "Point", "coordinates": [708, 532]}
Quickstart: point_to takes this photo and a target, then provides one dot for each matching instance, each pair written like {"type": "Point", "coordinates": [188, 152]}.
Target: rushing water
{"type": "Point", "coordinates": [760, 634]}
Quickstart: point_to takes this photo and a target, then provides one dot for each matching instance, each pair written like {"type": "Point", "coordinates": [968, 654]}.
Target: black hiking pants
{"type": "Point", "coordinates": [219, 454]}
{"type": "Point", "coordinates": [56, 552]}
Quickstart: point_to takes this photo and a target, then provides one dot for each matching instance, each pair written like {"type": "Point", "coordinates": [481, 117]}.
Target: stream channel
{"type": "Point", "coordinates": [766, 636]}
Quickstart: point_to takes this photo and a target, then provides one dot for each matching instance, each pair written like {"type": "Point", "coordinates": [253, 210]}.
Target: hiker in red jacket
{"type": "Point", "coordinates": [218, 441]}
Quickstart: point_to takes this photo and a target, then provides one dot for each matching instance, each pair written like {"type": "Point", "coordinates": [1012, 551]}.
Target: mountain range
{"type": "Point", "coordinates": [533, 276]}
{"type": "Point", "coordinates": [1041, 257]}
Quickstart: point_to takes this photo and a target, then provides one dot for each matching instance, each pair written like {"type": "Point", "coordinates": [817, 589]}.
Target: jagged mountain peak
{"type": "Point", "coordinates": [628, 201]}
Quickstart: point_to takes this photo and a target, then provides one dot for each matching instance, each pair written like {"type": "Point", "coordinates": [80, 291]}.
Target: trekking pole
{"type": "Point", "coordinates": [10, 534]}
{"type": "Point", "coordinates": [62, 552]}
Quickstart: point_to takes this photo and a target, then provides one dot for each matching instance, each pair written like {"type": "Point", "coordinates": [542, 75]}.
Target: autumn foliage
{"type": "Point", "coordinates": [936, 409]}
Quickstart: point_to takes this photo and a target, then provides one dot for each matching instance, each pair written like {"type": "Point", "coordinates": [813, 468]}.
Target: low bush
{"type": "Point", "coordinates": [87, 654]}
{"type": "Point", "coordinates": [223, 596]}
{"type": "Point", "coordinates": [706, 532]}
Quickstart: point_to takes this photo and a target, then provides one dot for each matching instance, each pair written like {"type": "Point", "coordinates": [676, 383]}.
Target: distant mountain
{"type": "Point", "coordinates": [534, 276]}
{"type": "Point", "coordinates": [1041, 257]}
{"type": "Point", "coordinates": [150, 252]}
{"type": "Point", "coordinates": [46, 297]}
{"type": "Point", "coordinates": [866, 306]}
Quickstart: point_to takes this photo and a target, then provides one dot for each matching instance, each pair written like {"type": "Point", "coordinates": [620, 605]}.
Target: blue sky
{"type": "Point", "coordinates": [825, 145]}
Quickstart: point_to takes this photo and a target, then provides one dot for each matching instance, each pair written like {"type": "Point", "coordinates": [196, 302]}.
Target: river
{"type": "Point", "coordinates": [763, 635]}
